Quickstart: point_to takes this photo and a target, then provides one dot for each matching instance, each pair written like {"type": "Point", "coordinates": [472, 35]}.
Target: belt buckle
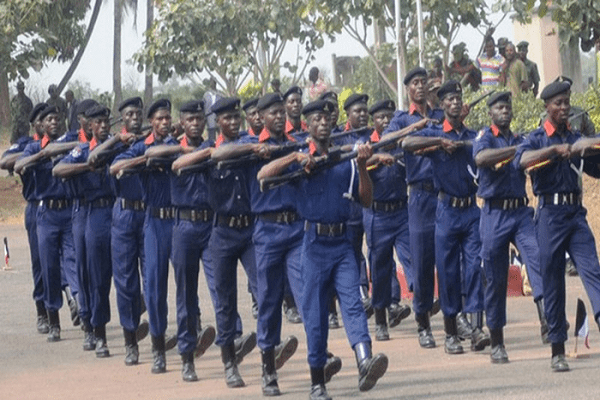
{"type": "Point", "coordinates": [161, 213]}
{"type": "Point", "coordinates": [193, 215]}
{"type": "Point", "coordinates": [331, 228]}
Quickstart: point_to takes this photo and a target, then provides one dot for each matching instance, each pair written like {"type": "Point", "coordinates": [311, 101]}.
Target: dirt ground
{"type": "Point", "coordinates": [31, 368]}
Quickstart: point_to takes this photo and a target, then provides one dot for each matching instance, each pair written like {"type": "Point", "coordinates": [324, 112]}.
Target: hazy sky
{"type": "Point", "coordinates": [96, 64]}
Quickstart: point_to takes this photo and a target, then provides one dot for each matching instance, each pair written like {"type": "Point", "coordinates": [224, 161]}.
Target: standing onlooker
{"type": "Point", "coordinates": [502, 42]}
{"type": "Point", "coordinates": [462, 68]}
{"type": "Point", "coordinates": [515, 72]}
{"type": "Point", "coordinates": [317, 86]}
{"type": "Point", "coordinates": [211, 96]}
{"type": "Point", "coordinates": [72, 121]}
{"type": "Point", "coordinates": [489, 63]}
{"type": "Point", "coordinates": [60, 104]}
{"type": "Point", "coordinates": [533, 76]}
{"type": "Point", "coordinates": [20, 108]}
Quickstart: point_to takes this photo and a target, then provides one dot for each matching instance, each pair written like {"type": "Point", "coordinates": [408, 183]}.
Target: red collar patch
{"type": "Point", "coordinates": [36, 136]}
{"type": "Point", "coordinates": [447, 127]}
{"type": "Point", "coordinates": [375, 137]}
{"type": "Point", "coordinates": [312, 147]}
{"type": "Point", "coordinates": [347, 127]}
{"type": "Point", "coordinates": [149, 140]}
{"type": "Point", "coordinates": [81, 136]}
{"type": "Point", "coordinates": [184, 142]}
{"type": "Point", "coordinates": [123, 131]}
{"type": "Point", "coordinates": [266, 135]}
{"type": "Point", "coordinates": [45, 141]}
{"type": "Point", "coordinates": [290, 128]}
{"type": "Point", "coordinates": [495, 130]}
{"type": "Point", "coordinates": [93, 143]}
{"type": "Point", "coordinates": [219, 140]}
{"type": "Point", "coordinates": [549, 128]}
{"type": "Point", "coordinates": [251, 132]}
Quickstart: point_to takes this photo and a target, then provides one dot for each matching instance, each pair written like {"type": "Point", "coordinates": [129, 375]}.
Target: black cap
{"type": "Point", "coordinates": [133, 102]}
{"type": "Point", "coordinates": [250, 103]}
{"type": "Point", "coordinates": [554, 89]}
{"type": "Point", "coordinates": [292, 90]}
{"type": "Point", "coordinates": [46, 111]}
{"type": "Point", "coordinates": [417, 71]}
{"type": "Point", "coordinates": [331, 96]}
{"type": "Point", "coordinates": [499, 96]}
{"type": "Point", "coordinates": [562, 78]}
{"type": "Point", "coordinates": [97, 111]}
{"type": "Point", "coordinates": [36, 110]}
{"type": "Point", "coordinates": [355, 98]}
{"type": "Point", "coordinates": [83, 105]}
{"type": "Point", "coordinates": [449, 87]}
{"type": "Point", "coordinates": [225, 104]}
{"type": "Point", "coordinates": [383, 105]}
{"type": "Point", "coordinates": [523, 43]}
{"type": "Point", "coordinates": [193, 106]}
{"type": "Point", "coordinates": [317, 106]}
{"type": "Point", "coordinates": [268, 100]}
{"type": "Point", "coordinates": [161, 104]}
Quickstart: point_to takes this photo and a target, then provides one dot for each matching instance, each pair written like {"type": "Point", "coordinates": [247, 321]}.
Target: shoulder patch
{"type": "Point", "coordinates": [14, 147]}
{"type": "Point", "coordinates": [76, 152]}
{"type": "Point", "coordinates": [479, 134]}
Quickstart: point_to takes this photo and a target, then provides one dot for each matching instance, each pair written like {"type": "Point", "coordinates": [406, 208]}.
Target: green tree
{"type": "Point", "coordinates": [229, 39]}
{"type": "Point", "coordinates": [35, 32]}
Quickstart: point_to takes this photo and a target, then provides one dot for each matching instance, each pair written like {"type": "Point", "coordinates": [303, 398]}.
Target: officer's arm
{"type": "Point", "coordinates": [165, 150]}
{"type": "Point", "coordinates": [416, 143]}
{"type": "Point", "coordinates": [127, 164]}
{"type": "Point", "coordinates": [108, 144]}
{"type": "Point", "coordinates": [56, 149]}
{"type": "Point", "coordinates": [8, 160]}
{"type": "Point", "coordinates": [234, 150]}
{"type": "Point", "coordinates": [365, 185]}
{"type": "Point", "coordinates": [533, 158]}
{"type": "Point", "coordinates": [490, 157]}
{"type": "Point", "coordinates": [193, 158]}
{"type": "Point", "coordinates": [586, 147]}
{"type": "Point", "coordinates": [28, 161]}
{"type": "Point", "coordinates": [279, 165]}
{"type": "Point", "coordinates": [66, 170]}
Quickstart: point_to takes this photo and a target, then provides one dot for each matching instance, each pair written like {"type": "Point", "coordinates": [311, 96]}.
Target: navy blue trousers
{"type": "Point", "coordinates": [79, 220]}
{"type": "Point", "coordinates": [36, 268]}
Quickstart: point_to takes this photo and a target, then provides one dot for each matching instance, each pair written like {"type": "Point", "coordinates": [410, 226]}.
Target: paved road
{"type": "Point", "coordinates": [31, 368]}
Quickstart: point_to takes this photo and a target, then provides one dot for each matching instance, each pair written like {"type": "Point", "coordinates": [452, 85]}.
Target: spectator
{"type": "Point", "coordinates": [437, 69]}
{"type": "Point", "coordinates": [502, 42]}
{"type": "Point", "coordinates": [211, 96]}
{"type": "Point", "coordinates": [276, 85]}
{"type": "Point", "coordinates": [462, 68]}
{"type": "Point", "coordinates": [317, 86]}
{"type": "Point", "coordinates": [489, 63]}
{"type": "Point", "coordinates": [61, 105]}
{"type": "Point", "coordinates": [515, 72]}
{"type": "Point", "coordinates": [20, 107]}
{"type": "Point", "coordinates": [533, 76]}
{"type": "Point", "coordinates": [72, 122]}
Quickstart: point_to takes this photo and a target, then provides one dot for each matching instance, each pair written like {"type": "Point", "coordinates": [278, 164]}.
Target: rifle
{"type": "Point", "coordinates": [116, 121]}
{"type": "Point", "coordinates": [335, 156]}
{"type": "Point", "coordinates": [480, 98]}
{"type": "Point", "coordinates": [200, 167]}
{"type": "Point", "coordinates": [151, 164]}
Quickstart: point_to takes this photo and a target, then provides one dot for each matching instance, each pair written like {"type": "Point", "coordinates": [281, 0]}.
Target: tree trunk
{"type": "Point", "coordinates": [148, 80]}
{"type": "Point", "coordinates": [4, 100]}
{"type": "Point", "coordinates": [117, 54]}
{"type": "Point", "coordinates": [81, 50]}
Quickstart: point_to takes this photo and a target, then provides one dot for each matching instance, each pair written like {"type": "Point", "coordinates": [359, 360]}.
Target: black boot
{"type": "Point", "coordinates": [269, 375]}
{"type": "Point", "coordinates": [333, 365]}
{"type": "Point", "coordinates": [559, 362]}
{"type": "Point", "coordinates": [285, 350]}
{"type": "Point", "coordinates": [498, 355]}
{"type": "Point", "coordinates": [397, 312]}
{"type": "Point", "coordinates": [479, 339]}
{"type": "Point", "coordinates": [54, 326]}
{"type": "Point", "coordinates": [159, 365]}
{"type": "Point", "coordinates": [132, 352]}
{"type": "Point", "coordinates": [452, 344]}
{"type": "Point", "coordinates": [291, 311]}
{"type": "Point", "coordinates": [366, 301]}
{"type": "Point", "coordinates": [463, 326]}
{"type": "Point", "coordinates": [317, 387]}
{"type": "Point", "coordinates": [426, 339]}
{"type": "Point", "coordinates": [188, 371]}
{"type": "Point", "coordinates": [370, 368]}
{"type": "Point", "coordinates": [206, 337]}
{"type": "Point", "coordinates": [89, 339]}
{"type": "Point", "coordinates": [254, 307]}
{"type": "Point", "coordinates": [539, 303]}
{"type": "Point", "coordinates": [101, 345]}
{"type": "Point", "coordinates": [232, 375]}
{"type": "Point", "coordinates": [381, 332]}
{"type": "Point", "coordinates": [243, 346]}
{"type": "Point", "coordinates": [42, 317]}
{"type": "Point", "coordinates": [334, 322]}
{"type": "Point", "coordinates": [73, 306]}
{"type": "Point", "coordinates": [142, 331]}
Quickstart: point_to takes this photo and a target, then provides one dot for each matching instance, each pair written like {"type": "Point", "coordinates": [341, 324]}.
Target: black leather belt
{"type": "Point", "coordinates": [103, 202]}
{"type": "Point", "coordinates": [457, 202]}
{"type": "Point", "coordinates": [331, 230]}
{"type": "Point", "coordinates": [136, 205]}
{"type": "Point", "coordinates": [235, 221]}
{"type": "Point", "coordinates": [388, 206]}
{"type": "Point", "coordinates": [560, 199]}
{"type": "Point", "coordinates": [56, 204]}
{"type": "Point", "coordinates": [195, 214]}
{"type": "Point", "coordinates": [426, 186]}
{"type": "Point", "coordinates": [507, 204]}
{"type": "Point", "coordinates": [162, 212]}
{"type": "Point", "coordinates": [281, 217]}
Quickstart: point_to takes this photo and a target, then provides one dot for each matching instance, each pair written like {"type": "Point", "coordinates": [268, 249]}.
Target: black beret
{"type": "Point", "coordinates": [46, 111]}
{"type": "Point", "coordinates": [354, 99]}
{"type": "Point", "coordinates": [161, 104]}
{"type": "Point", "coordinates": [318, 106]}
{"type": "Point", "coordinates": [225, 104]}
{"type": "Point", "coordinates": [292, 90]}
{"type": "Point", "coordinates": [523, 43]}
{"type": "Point", "coordinates": [193, 106]}
{"type": "Point", "coordinates": [250, 103]}
{"type": "Point", "coordinates": [331, 96]}
{"type": "Point", "coordinates": [83, 105]}
{"type": "Point", "coordinates": [268, 100]}
{"type": "Point", "coordinates": [449, 87]}
{"type": "Point", "coordinates": [417, 71]}
{"type": "Point", "coordinates": [36, 110]}
{"type": "Point", "coordinates": [554, 89]}
{"type": "Point", "coordinates": [499, 96]}
{"type": "Point", "coordinates": [562, 78]}
{"type": "Point", "coordinates": [133, 102]}
{"type": "Point", "coordinates": [383, 105]}
{"type": "Point", "coordinates": [97, 111]}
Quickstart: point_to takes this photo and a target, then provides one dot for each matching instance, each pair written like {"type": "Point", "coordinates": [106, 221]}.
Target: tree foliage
{"type": "Point", "coordinates": [230, 39]}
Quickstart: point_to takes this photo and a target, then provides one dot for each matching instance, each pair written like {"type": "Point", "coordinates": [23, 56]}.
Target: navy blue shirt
{"type": "Point", "coordinates": [191, 189]}
{"type": "Point", "coordinates": [509, 180]}
{"type": "Point", "coordinates": [389, 182]}
{"type": "Point", "coordinates": [418, 168]}
{"type": "Point", "coordinates": [451, 172]}
{"type": "Point", "coordinates": [27, 178]}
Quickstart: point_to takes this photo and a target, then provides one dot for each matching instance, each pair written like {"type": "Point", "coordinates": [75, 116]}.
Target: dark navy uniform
{"type": "Point", "coordinates": [422, 203]}
{"type": "Point", "coordinates": [561, 226]}
{"type": "Point", "coordinates": [505, 218]}
{"type": "Point", "coordinates": [457, 237]}
{"type": "Point", "coordinates": [191, 233]}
